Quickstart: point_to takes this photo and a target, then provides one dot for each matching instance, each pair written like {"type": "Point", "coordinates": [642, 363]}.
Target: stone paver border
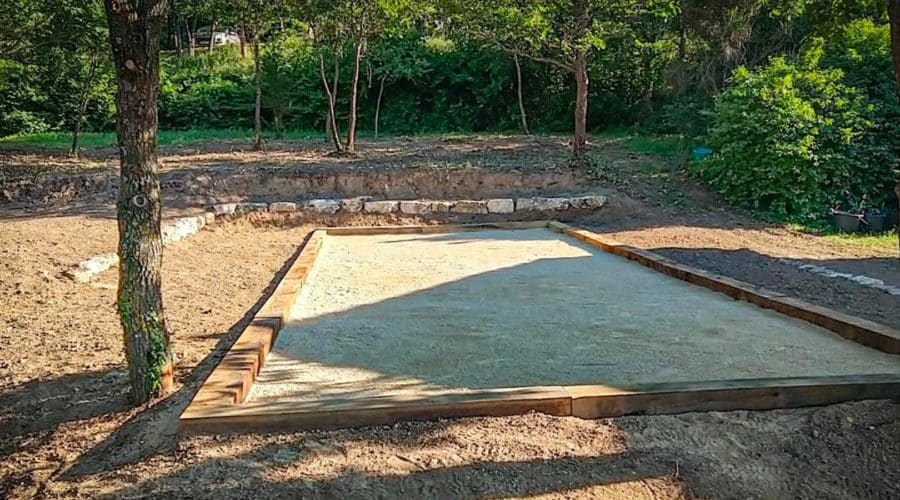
{"type": "Point", "coordinates": [219, 405]}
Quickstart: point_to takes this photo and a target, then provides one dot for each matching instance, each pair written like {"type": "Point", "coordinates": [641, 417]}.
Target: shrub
{"type": "Point", "coordinates": [792, 140]}
{"type": "Point", "coordinates": [22, 122]}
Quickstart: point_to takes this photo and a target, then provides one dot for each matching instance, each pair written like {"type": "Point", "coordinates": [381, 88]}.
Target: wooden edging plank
{"type": "Point", "coordinates": [230, 381]}
{"type": "Point", "coordinates": [577, 401]}
{"type": "Point", "coordinates": [865, 332]}
{"type": "Point", "coordinates": [362, 412]}
{"type": "Point", "coordinates": [729, 395]}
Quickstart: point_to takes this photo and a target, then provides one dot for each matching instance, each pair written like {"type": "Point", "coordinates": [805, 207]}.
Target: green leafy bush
{"type": "Point", "coordinates": [792, 139]}
{"type": "Point", "coordinates": [22, 122]}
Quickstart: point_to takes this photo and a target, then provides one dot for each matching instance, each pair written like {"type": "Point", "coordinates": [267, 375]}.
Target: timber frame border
{"type": "Point", "coordinates": [220, 403]}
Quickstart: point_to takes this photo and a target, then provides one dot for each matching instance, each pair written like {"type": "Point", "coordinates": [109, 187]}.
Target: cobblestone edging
{"type": "Point", "coordinates": [830, 273]}
{"type": "Point", "coordinates": [185, 227]}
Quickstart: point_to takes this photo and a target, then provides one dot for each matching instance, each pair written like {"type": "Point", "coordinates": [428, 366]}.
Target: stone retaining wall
{"type": "Point", "coordinates": [418, 207]}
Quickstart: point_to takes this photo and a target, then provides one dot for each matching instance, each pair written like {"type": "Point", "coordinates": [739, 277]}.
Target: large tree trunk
{"type": "Point", "coordinates": [257, 101]}
{"type": "Point", "coordinates": [581, 104]}
{"type": "Point", "coordinates": [378, 103]}
{"type": "Point", "coordinates": [354, 94]}
{"type": "Point", "coordinates": [894, 15]}
{"type": "Point", "coordinates": [332, 121]}
{"type": "Point", "coordinates": [522, 115]}
{"type": "Point", "coordinates": [134, 30]}
{"type": "Point", "coordinates": [83, 102]}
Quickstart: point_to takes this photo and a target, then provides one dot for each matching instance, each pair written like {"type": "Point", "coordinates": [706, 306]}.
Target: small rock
{"type": "Point", "coordinates": [501, 206]}
{"type": "Point", "coordinates": [327, 206]}
{"type": "Point", "coordinates": [225, 208]}
{"type": "Point", "coordinates": [100, 263]}
{"type": "Point", "coordinates": [590, 202]}
{"type": "Point", "coordinates": [252, 207]}
{"type": "Point", "coordinates": [381, 207]}
{"type": "Point", "coordinates": [415, 207]}
{"type": "Point", "coordinates": [440, 207]}
{"type": "Point", "coordinates": [209, 217]}
{"type": "Point", "coordinates": [353, 205]}
{"type": "Point", "coordinates": [524, 205]}
{"type": "Point", "coordinates": [547, 204]}
{"type": "Point", "coordinates": [282, 207]}
{"type": "Point", "coordinates": [470, 207]}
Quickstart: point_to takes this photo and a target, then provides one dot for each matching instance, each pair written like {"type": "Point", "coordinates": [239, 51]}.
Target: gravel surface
{"type": "Point", "coordinates": [401, 315]}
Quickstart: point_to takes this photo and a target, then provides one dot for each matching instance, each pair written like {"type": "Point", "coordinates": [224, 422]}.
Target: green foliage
{"type": "Point", "coordinates": [207, 91]}
{"type": "Point", "coordinates": [793, 139]}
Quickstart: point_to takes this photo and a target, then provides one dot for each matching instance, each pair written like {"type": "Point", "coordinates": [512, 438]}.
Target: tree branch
{"type": "Point", "coordinates": [554, 62]}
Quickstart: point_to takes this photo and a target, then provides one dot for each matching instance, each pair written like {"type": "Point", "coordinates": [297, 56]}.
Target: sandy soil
{"type": "Point", "coordinates": [67, 429]}
{"type": "Point", "coordinates": [497, 309]}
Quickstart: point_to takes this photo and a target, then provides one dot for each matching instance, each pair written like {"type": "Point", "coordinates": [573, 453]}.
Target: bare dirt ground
{"type": "Point", "coordinates": [67, 429]}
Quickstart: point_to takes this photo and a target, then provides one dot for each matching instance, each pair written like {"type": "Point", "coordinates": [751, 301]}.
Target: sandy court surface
{"type": "Point", "coordinates": [409, 315]}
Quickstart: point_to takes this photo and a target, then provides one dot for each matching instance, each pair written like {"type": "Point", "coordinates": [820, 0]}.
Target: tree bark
{"type": "Point", "coordinates": [243, 42]}
{"type": "Point", "coordinates": [582, 23]}
{"type": "Point", "coordinates": [176, 28]}
{"type": "Point", "coordinates": [522, 116]}
{"type": "Point", "coordinates": [212, 37]}
{"type": "Point", "coordinates": [894, 16]}
{"type": "Point", "coordinates": [192, 40]}
{"type": "Point", "coordinates": [354, 94]}
{"type": "Point", "coordinates": [581, 104]}
{"type": "Point", "coordinates": [83, 102]}
{"type": "Point", "coordinates": [257, 99]}
{"type": "Point", "coordinates": [378, 103]}
{"type": "Point", "coordinates": [335, 138]}
{"type": "Point", "coordinates": [134, 30]}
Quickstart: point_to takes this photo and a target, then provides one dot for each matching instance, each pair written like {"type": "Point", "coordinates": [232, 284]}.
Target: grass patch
{"type": "Point", "coordinates": [826, 231]}
{"type": "Point", "coordinates": [59, 141]}
{"type": "Point", "coordinates": [867, 240]}
{"type": "Point", "coordinates": [670, 147]}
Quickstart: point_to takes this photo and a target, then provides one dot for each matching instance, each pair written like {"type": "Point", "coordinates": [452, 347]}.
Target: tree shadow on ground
{"type": "Point", "coordinates": [154, 430]}
{"type": "Point", "coordinates": [237, 476]}
{"type": "Point", "coordinates": [31, 412]}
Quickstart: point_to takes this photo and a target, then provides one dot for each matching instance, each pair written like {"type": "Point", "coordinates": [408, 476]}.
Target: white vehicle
{"type": "Point", "coordinates": [227, 36]}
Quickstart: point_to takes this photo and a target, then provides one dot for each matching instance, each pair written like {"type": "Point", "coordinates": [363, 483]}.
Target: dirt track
{"type": "Point", "coordinates": [66, 428]}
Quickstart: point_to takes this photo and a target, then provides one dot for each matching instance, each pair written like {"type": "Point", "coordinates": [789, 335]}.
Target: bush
{"type": "Point", "coordinates": [22, 122]}
{"type": "Point", "coordinates": [793, 140]}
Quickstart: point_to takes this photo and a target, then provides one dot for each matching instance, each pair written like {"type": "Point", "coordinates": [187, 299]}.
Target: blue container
{"type": "Point", "coordinates": [701, 153]}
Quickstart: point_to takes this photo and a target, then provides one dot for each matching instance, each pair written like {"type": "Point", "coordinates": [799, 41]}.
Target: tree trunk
{"type": "Point", "coordinates": [581, 104]}
{"type": "Point", "coordinates": [212, 37]}
{"type": "Point", "coordinates": [192, 40]}
{"type": "Point", "coordinates": [176, 28]}
{"type": "Point", "coordinates": [522, 115]}
{"type": "Point", "coordinates": [83, 102]}
{"type": "Point", "coordinates": [243, 43]}
{"type": "Point", "coordinates": [335, 138]}
{"type": "Point", "coordinates": [134, 28]}
{"type": "Point", "coordinates": [378, 103]}
{"type": "Point", "coordinates": [257, 100]}
{"type": "Point", "coordinates": [354, 94]}
{"type": "Point", "coordinates": [894, 16]}
{"type": "Point", "coordinates": [582, 23]}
